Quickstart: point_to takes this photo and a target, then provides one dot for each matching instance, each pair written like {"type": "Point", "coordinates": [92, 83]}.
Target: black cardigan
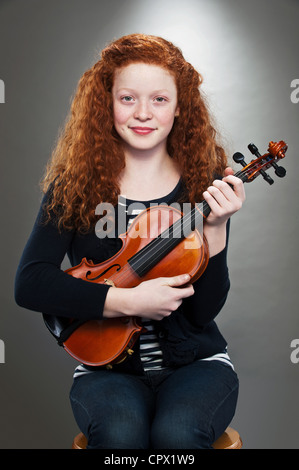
{"type": "Point", "coordinates": [41, 285]}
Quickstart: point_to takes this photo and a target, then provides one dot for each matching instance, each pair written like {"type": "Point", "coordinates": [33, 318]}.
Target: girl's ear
{"type": "Point", "coordinates": [177, 112]}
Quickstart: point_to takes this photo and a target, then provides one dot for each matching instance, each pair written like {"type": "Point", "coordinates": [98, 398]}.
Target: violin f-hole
{"type": "Point", "coordinates": [102, 273]}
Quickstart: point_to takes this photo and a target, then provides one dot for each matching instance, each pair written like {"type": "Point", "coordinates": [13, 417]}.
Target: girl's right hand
{"type": "Point", "coordinates": [153, 299]}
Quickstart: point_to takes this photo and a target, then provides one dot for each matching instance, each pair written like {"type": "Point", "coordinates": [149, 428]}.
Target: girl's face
{"type": "Point", "coordinates": [144, 106]}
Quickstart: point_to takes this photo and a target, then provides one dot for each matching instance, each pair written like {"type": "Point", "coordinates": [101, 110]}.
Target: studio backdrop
{"type": "Point", "coordinates": [247, 53]}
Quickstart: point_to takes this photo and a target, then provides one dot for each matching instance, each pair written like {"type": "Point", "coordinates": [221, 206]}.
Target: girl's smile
{"type": "Point", "coordinates": [142, 130]}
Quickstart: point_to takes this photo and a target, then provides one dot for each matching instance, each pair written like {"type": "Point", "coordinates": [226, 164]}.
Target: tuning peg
{"type": "Point", "coordinates": [254, 150]}
{"type": "Point", "coordinates": [266, 177]}
{"type": "Point", "coordinates": [238, 157]}
{"type": "Point", "coordinates": [280, 171]}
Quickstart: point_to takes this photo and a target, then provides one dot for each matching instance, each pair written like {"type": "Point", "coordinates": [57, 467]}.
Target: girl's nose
{"type": "Point", "coordinates": [143, 111]}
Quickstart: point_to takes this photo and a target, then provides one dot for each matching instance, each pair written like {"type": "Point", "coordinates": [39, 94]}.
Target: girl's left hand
{"type": "Point", "coordinates": [223, 199]}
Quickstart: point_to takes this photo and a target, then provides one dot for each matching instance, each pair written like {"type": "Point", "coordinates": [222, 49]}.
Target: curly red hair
{"type": "Point", "coordinates": [89, 157]}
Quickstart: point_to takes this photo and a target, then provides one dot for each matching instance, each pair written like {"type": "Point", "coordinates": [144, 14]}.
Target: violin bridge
{"type": "Point", "coordinates": [109, 282]}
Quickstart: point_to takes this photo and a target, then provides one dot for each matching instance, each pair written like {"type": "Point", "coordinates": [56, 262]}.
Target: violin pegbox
{"type": "Point", "coordinates": [276, 151]}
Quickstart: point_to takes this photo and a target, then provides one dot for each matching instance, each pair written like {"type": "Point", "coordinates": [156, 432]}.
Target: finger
{"type": "Point", "coordinates": [231, 187]}
{"type": "Point", "coordinates": [222, 198]}
{"type": "Point", "coordinates": [213, 204]}
{"type": "Point", "coordinates": [228, 171]}
{"type": "Point", "coordinates": [237, 184]}
{"type": "Point", "coordinates": [218, 196]}
{"type": "Point", "coordinates": [225, 191]}
{"type": "Point", "coordinates": [176, 281]}
{"type": "Point", "coordinates": [185, 292]}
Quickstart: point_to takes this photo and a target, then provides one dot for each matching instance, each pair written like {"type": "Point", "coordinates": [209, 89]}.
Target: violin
{"type": "Point", "coordinates": [170, 246]}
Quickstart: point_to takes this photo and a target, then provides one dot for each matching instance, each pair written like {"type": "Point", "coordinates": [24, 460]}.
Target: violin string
{"type": "Point", "coordinates": [159, 244]}
{"type": "Point", "coordinates": [154, 251]}
{"type": "Point", "coordinates": [156, 248]}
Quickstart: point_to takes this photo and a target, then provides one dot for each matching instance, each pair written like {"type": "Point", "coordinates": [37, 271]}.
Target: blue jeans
{"type": "Point", "coordinates": [185, 408]}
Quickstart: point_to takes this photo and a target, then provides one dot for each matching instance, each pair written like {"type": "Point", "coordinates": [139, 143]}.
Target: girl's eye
{"type": "Point", "coordinates": [160, 99]}
{"type": "Point", "coordinates": [127, 99]}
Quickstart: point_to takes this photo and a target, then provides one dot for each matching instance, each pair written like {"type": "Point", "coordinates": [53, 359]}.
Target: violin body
{"type": "Point", "coordinates": [107, 341]}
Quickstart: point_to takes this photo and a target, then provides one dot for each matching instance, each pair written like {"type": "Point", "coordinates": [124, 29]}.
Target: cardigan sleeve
{"type": "Point", "coordinates": [210, 290]}
{"type": "Point", "coordinates": [40, 283]}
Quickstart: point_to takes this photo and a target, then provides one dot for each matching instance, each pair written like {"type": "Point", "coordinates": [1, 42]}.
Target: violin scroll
{"type": "Point", "coordinates": [276, 151]}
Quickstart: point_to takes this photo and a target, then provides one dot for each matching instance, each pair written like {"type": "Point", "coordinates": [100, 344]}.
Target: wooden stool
{"type": "Point", "coordinates": [230, 439]}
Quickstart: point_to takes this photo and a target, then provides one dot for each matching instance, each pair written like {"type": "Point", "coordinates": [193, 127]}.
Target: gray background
{"type": "Point", "coordinates": [248, 55]}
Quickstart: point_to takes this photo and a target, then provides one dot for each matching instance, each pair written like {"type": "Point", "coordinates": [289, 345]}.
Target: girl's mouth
{"type": "Point", "coordinates": [142, 130]}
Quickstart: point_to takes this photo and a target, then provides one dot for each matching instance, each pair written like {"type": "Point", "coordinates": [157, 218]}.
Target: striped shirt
{"type": "Point", "coordinates": [150, 352]}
